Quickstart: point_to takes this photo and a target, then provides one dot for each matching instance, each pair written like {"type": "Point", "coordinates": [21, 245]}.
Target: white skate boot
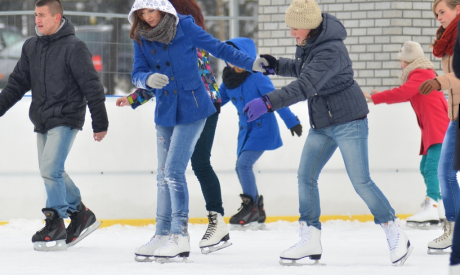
{"type": "Point", "coordinates": [400, 247]}
{"type": "Point", "coordinates": [309, 246]}
{"type": "Point", "coordinates": [438, 245]}
{"type": "Point", "coordinates": [145, 252]}
{"type": "Point", "coordinates": [428, 218]}
{"type": "Point", "coordinates": [177, 245]}
{"type": "Point", "coordinates": [217, 234]}
{"type": "Point", "coordinates": [454, 269]}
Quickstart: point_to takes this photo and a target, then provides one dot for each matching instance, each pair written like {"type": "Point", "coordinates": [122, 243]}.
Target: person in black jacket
{"type": "Point", "coordinates": [57, 68]}
{"type": "Point", "coordinates": [338, 119]}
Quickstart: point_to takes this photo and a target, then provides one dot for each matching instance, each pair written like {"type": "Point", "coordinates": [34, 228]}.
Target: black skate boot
{"type": "Point", "coordinates": [247, 216]}
{"type": "Point", "coordinates": [82, 223]}
{"type": "Point", "coordinates": [262, 216]}
{"type": "Point", "coordinates": [52, 236]}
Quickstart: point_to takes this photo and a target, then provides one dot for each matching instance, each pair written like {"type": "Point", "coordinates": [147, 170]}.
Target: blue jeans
{"type": "Point", "coordinates": [245, 174]}
{"type": "Point", "coordinates": [53, 148]}
{"type": "Point", "coordinates": [351, 138]}
{"type": "Point", "coordinates": [175, 146]}
{"type": "Point", "coordinates": [448, 176]}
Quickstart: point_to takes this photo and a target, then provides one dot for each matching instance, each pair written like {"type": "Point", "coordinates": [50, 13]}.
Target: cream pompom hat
{"type": "Point", "coordinates": [303, 14]}
{"type": "Point", "coordinates": [411, 51]}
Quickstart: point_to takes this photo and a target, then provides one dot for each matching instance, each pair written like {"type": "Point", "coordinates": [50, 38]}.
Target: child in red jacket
{"type": "Point", "coordinates": [431, 111]}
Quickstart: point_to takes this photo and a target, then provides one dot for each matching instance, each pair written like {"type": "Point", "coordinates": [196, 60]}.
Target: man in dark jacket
{"type": "Point", "coordinates": [56, 66]}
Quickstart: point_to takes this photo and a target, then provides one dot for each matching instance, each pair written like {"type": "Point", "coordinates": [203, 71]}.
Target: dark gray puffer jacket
{"type": "Point", "coordinates": [324, 77]}
{"type": "Point", "coordinates": [59, 71]}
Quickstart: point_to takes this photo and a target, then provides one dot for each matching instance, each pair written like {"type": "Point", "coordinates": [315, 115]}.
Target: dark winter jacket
{"type": "Point", "coordinates": [263, 133]}
{"type": "Point", "coordinates": [324, 77]}
{"type": "Point", "coordinates": [59, 71]}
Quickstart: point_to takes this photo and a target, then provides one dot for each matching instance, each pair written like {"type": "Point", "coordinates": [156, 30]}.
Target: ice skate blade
{"type": "Point", "coordinates": [219, 246]}
{"type": "Point", "coordinates": [441, 251]}
{"type": "Point", "coordinates": [251, 226]}
{"type": "Point", "coordinates": [403, 259]}
{"type": "Point", "coordinates": [429, 225]}
{"type": "Point", "coordinates": [184, 260]}
{"type": "Point", "coordinates": [144, 258]}
{"type": "Point", "coordinates": [295, 263]}
{"type": "Point", "coordinates": [85, 233]}
{"type": "Point", "coordinates": [59, 245]}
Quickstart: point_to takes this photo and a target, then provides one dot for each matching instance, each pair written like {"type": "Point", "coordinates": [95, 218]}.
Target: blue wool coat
{"type": "Point", "coordinates": [263, 133]}
{"type": "Point", "coordinates": [185, 99]}
{"type": "Point", "coordinates": [324, 77]}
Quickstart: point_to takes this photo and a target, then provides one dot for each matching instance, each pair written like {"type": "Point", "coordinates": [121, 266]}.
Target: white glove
{"type": "Point", "coordinates": [257, 66]}
{"type": "Point", "coordinates": [157, 81]}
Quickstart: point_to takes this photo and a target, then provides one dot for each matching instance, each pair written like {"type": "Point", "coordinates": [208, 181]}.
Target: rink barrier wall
{"type": "Point", "coordinates": [146, 222]}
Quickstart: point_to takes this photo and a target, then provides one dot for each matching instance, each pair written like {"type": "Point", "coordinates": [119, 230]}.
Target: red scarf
{"type": "Point", "coordinates": [445, 45]}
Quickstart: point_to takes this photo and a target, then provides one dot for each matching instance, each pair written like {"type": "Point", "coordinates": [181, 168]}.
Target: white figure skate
{"type": "Point", "coordinates": [176, 246]}
{"type": "Point", "coordinates": [399, 244]}
{"type": "Point", "coordinates": [217, 235]}
{"type": "Point", "coordinates": [145, 252]}
{"type": "Point", "coordinates": [428, 218]}
{"type": "Point", "coordinates": [439, 245]}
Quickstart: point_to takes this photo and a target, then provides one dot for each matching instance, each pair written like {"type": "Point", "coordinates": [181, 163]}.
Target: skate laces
{"type": "Point", "coordinates": [173, 240]}
{"type": "Point", "coordinates": [212, 227]}
{"type": "Point", "coordinates": [392, 235]}
{"type": "Point", "coordinates": [447, 227]}
{"type": "Point", "coordinates": [304, 234]}
{"type": "Point", "coordinates": [154, 240]}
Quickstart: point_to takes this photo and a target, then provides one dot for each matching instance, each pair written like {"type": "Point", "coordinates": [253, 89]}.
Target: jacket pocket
{"type": "Point", "coordinates": [191, 86]}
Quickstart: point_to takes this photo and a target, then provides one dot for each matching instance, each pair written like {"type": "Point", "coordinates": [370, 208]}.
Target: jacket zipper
{"type": "Point", "coordinates": [196, 101]}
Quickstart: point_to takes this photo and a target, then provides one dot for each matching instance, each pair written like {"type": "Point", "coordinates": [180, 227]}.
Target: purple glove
{"type": "Point", "coordinates": [257, 107]}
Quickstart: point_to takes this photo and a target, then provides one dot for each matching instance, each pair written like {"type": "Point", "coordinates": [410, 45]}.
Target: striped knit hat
{"type": "Point", "coordinates": [303, 14]}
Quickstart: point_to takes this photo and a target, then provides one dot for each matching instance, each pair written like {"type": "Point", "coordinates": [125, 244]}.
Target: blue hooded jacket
{"type": "Point", "coordinates": [324, 76]}
{"type": "Point", "coordinates": [263, 133]}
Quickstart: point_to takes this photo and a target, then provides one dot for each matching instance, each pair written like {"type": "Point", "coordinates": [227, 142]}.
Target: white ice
{"type": "Point", "coordinates": [348, 248]}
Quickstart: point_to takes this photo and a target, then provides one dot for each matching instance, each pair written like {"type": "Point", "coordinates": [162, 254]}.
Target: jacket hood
{"type": "Point", "coordinates": [66, 28]}
{"type": "Point", "coordinates": [331, 29]}
{"type": "Point", "coordinates": [161, 5]}
{"type": "Point", "coordinates": [245, 45]}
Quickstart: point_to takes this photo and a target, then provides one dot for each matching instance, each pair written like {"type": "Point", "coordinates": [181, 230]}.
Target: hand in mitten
{"type": "Point", "coordinates": [297, 130]}
{"type": "Point", "coordinates": [157, 81]}
{"type": "Point", "coordinates": [258, 65]}
{"type": "Point", "coordinates": [428, 86]}
{"type": "Point", "coordinates": [272, 66]}
{"type": "Point", "coordinates": [257, 107]}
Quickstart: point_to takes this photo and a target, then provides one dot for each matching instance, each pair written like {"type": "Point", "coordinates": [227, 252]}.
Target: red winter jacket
{"type": "Point", "coordinates": [431, 109]}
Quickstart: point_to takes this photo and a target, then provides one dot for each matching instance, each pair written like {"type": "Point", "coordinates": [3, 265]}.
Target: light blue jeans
{"type": "Point", "coordinates": [175, 146]}
{"type": "Point", "coordinates": [245, 173]}
{"type": "Point", "coordinates": [448, 176]}
{"type": "Point", "coordinates": [351, 139]}
{"type": "Point", "coordinates": [53, 148]}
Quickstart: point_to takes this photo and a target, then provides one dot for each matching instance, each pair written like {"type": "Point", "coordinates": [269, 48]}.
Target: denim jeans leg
{"type": "Point", "coordinates": [53, 148]}
{"type": "Point", "coordinates": [318, 149]}
{"type": "Point", "coordinates": [244, 165]}
{"type": "Point", "coordinates": [352, 139]}
{"type": "Point", "coordinates": [181, 146]}
{"type": "Point", "coordinates": [448, 176]}
{"type": "Point", "coordinates": [163, 219]}
{"type": "Point", "coordinates": [201, 165]}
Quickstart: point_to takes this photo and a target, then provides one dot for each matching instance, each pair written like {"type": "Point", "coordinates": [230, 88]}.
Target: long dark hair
{"type": "Point", "coordinates": [189, 7]}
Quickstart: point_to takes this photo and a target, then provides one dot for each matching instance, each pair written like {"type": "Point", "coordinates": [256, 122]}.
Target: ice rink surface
{"type": "Point", "coordinates": [348, 248]}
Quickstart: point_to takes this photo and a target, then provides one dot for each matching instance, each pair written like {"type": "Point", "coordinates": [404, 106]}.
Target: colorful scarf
{"type": "Point", "coordinates": [445, 44]}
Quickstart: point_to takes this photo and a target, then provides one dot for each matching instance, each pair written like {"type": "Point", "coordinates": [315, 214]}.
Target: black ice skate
{"type": "Point", "coordinates": [247, 216]}
{"type": "Point", "coordinates": [262, 216]}
{"type": "Point", "coordinates": [82, 223]}
{"type": "Point", "coordinates": [52, 236]}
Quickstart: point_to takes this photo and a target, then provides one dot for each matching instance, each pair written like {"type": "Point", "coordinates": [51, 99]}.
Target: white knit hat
{"type": "Point", "coordinates": [303, 14]}
{"type": "Point", "coordinates": [411, 51]}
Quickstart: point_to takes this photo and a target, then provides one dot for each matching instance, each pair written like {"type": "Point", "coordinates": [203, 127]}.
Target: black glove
{"type": "Point", "coordinates": [297, 130]}
{"type": "Point", "coordinates": [272, 67]}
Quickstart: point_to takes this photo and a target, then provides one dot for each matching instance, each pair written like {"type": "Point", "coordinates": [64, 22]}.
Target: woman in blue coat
{"type": "Point", "coordinates": [165, 59]}
{"type": "Point", "coordinates": [240, 87]}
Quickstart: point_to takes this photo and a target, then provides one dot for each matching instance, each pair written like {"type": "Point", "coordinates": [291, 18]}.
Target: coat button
{"type": "Point", "coordinates": [168, 64]}
{"type": "Point", "coordinates": [165, 47]}
{"type": "Point", "coordinates": [241, 127]}
{"type": "Point", "coordinates": [258, 124]}
{"type": "Point", "coordinates": [153, 51]}
{"type": "Point", "coordinates": [172, 78]}
{"type": "Point", "coordinates": [158, 67]}
{"type": "Point", "coordinates": [166, 92]}
{"type": "Point", "coordinates": [233, 98]}
{"type": "Point", "coordinates": [241, 98]}
{"type": "Point", "coordinates": [175, 92]}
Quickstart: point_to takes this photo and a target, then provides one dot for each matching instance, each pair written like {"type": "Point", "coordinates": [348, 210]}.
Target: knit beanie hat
{"type": "Point", "coordinates": [303, 14]}
{"type": "Point", "coordinates": [411, 51]}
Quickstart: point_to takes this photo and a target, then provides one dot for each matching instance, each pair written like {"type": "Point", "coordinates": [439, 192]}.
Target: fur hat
{"type": "Point", "coordinates": [411, 51]}
{"type": "Point", "coordinates": [161, 5]}
{"type": "Point", "coordinates": [303, 14]}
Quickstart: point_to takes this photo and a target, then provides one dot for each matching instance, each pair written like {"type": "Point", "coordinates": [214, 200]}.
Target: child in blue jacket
{"type": "Point", "coordinates": [240, 87]}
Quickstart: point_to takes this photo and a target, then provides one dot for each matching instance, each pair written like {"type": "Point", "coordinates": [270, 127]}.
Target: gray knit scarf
{"type": "Point", "coordinates": [164, 32]}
